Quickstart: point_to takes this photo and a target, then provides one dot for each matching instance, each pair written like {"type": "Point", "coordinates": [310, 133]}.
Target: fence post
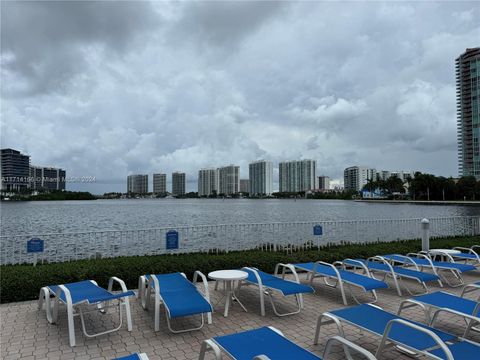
{"type": "Point", "coordinates": [425, 234]}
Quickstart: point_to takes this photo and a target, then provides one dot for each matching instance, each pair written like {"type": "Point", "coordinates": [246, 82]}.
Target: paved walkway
{"type": "Point", "coordinates": [26, 334]}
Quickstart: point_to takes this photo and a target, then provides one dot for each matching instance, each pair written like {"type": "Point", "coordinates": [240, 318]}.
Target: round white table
{"type": "Point", "coordinates": [228, 277]}
{"type": "Point", "coordinates": [444, 254]}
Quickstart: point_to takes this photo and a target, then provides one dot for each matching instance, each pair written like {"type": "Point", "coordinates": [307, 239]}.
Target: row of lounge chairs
{"type": "Point", "coordinates": [182, 298]}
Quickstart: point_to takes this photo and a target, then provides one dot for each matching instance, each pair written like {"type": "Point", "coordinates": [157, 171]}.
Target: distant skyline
{"type": "Point", "coordinates": [107, 89]}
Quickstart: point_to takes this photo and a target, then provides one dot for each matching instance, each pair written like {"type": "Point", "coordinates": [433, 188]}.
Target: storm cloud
{"type": "Point", "coordinates": [107, 89]}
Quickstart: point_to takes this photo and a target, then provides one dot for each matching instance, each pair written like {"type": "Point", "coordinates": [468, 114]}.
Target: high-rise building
{"type": "Point", "coordinates": [159, 183]}
{"type": "Point", "coordinates": [356, 177]}
{"type": "Point", "coordinates": [323, 183]}
{"type": "Point", "coordinates": [244, 185]}
{"type": "Point", "coordinates": [467, 73]}
{"type": "Point", "coordinates": [15, 170]}
{"type": "Point", "coordinates": [207, 182]}
{"type": "Point", "coordinates": [47, 178]}
{"type": "Point", "coordinates": [229, 180]}
{"type": "Point", "coordinates": [137, 184]}
{"type": "Point", "coordinates": [260, 175]}
{"type": "Point", "coordinates": [178, 183]}
{"type": "Point", "coordinates": [295, 176]}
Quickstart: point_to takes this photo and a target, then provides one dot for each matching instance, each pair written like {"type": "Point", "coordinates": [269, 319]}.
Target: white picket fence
{"type": "Point", "coordinates": [288, 236]}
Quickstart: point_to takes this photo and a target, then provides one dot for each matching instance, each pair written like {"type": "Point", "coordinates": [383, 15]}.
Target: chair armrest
{"type": "Point", "coordinates": [426, 257]}
{"type": "Point", "coordinates": [285, 267]}
{"type": "Point", "coordinates": [257, 276]}
{"type": "Point", "coordinates": [204, 281]}
{"type": "Point", "coordinates": [359, 264]}
{"type": "Point", "coordinates": [118, 281]}
{"type": "Point", "coordinates": [346, 346]}
{"type": "Point", "coordinates": [261, 357]}
{"type": "Point", "coordinates": [327, 264]}
{"type": "Point", "coordinates": [462, 248]}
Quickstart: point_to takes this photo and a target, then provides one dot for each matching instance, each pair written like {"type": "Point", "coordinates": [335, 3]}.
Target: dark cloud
{"type": "Point", "coordinates": [47, 42]}
{"type": "Point", "coordinates": [112, 88]}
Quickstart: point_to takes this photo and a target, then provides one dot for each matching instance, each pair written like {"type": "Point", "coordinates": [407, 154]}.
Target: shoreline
{"type": "Point", "coordinates": [422, 202]}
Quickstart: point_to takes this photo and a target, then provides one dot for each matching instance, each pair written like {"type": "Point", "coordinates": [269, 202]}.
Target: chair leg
{"type": "Point", "coordinates": [126, 304]}
{"type": "Point", "coordinates": [71, 325]}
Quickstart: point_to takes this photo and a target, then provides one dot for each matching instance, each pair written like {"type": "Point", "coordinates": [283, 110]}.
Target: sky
{"type": "Point", "coordinates": [107, 89]}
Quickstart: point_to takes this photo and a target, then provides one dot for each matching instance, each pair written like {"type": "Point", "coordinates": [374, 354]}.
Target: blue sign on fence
{"type": "Point", "coordinates": [317, 230]}
{"type": "Point", "coordinates": [171, 238]}
{"type": "Point", "coordinates": [34, 245]}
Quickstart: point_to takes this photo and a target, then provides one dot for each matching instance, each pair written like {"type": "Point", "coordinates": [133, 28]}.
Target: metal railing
{"type": "Point", "coordinates": [289, 236]}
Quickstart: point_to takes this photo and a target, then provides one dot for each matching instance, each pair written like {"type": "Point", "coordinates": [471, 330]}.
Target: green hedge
{"type": "Point", "coordinates": [23, 282]}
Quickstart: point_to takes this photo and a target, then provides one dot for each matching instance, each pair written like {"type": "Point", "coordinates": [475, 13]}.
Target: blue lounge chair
{"type": "Point", "coordinates": [466, 255]}
{"type": "Point", "coordinates": [341, 277]}
{"type": "Point", "coordinates": [84, 293]}
{"type": "Point", "coordinates": [269, 343]}
{"type": "Point", "coordinates": [269, 284]}
{"type": "Point", "coordinates": [135, 356]}
{"type": "Point", "coordinates": [422, 261]}
{"type": "Point", "coordinates": [378, 264]}
{"type": "Point", "coordinates": [410, 336]}
{"type": "Point", "coordinates": [179, 296]}
{"type": "Point", "coordinates": [440, 300]}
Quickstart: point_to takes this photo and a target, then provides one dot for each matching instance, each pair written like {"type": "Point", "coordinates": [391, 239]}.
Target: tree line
{"type": "Point", "coordinates": [427, 187]}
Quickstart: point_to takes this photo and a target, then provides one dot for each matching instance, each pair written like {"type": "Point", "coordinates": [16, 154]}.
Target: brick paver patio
{"type": "Point", "coordinates": [26, 334]}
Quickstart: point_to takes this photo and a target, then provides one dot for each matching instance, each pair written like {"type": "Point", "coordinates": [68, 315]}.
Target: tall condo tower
{"type": "Point", "coordinates": [467, 73]}
{"type": "Point", "coordinates": [178, 183]}
{"type": "Point", "coordinates": [295, 176]}
{"type": "Point", "coordinates": [229, 180]}
{"type": "Point", "coordinates": [207, 182]}
{"type": "Point", "coordinates": [260, 175]}
{"type": "Point", "coordinates": [159, 183]}
{"type": "Point", "coordinates": [137, 184]}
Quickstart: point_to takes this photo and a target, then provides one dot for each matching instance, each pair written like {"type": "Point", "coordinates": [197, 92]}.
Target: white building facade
{"type": "Point", "coordinates": [178, 183]}
{"type": "Point", "coordinates": [207, 182]}
{"type": "Point", "coordinates": [229, 180]}
{"type": "Point", "coordinates": [159, 183]}
{"type": "Point", "coordinates": [137, 184]}
{"type": "Point", "coordinates": [295, 176]}
{"type": "Point", "coordinates": [356, 177]}
{"type": "Point", "coordinates": [260, 175]}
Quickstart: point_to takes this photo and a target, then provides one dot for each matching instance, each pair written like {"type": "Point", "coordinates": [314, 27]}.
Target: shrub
{"type": "Point", "coordinates": [23, 282]}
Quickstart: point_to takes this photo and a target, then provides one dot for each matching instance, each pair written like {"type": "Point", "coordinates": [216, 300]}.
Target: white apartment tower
{"type": "Point", "coordinates": [260, 175]}
{"type": "Point", "coordinates": [356, 177]}
{"type": "Point", "coordinates": [207, 182]}
{"type": "Point", "coordinates": [137, 184]}
{"type": "Point", "coordinates": [159, 183]}
{"type": "Point", "coordinates": [229, 180]}
{"type": "Point", "coordinates": [178, 183]}
{"type": "Point", "coordinates": [295, 176]}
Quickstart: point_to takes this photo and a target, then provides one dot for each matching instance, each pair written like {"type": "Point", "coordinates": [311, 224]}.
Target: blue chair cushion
{"type": "Point", "coordinates": [284, 286]}
{"type": "Point", "coordinates": [180, 296]}
{"type": "Point", "coordinates": [347, 276]}
{"type": "Point", "coordinates": [86, 291]}
{"type": "Point", "coordinates": [441, 299]}
{"type": "Point", "coordinates": [461, 350]}
{"type": "Point", "coordinates": [420, 275]}
{"type": "Point", "coordinates": [463, 255]}
{"type": "Point", "coordinates": [425, 263]}
{"type": "Point", "coordinates": [129, 357]}
{"type": "Point", "coordinates": [376, 320]}
{"type": "Point", "coordinates": [263, 341]}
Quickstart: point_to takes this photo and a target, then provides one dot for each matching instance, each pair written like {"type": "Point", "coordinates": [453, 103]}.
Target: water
{"type": "Point", "coordinates": [72, 216]}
